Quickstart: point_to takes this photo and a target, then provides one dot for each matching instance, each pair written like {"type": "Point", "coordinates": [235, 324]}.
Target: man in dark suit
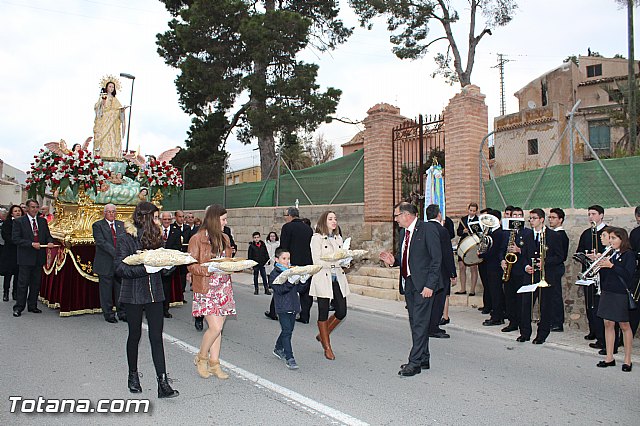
{"type": "Point", "coordinates": [634, 239]}
{"type": "Point", "coordinates": [185, 234]}
{"type": "Point", "coordinates": [556, 220]}
{"type": "Point", "coordinates": [105, 234]}
{"type": "Point", "coordinates": [448, 271]}
{"type": "Point", "coordinates": [420, 260]}
{"type": "Point", "coordinates": [553, 273]}
{"type": "Point", "coordinates": [295, 237]}
{"type": "Point", "coordinates": [31, 235]}
{"type": "Point", "coordinates": [171, 237]}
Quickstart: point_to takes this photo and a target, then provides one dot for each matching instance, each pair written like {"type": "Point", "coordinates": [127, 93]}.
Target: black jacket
{"type": "Point", "coordinates": [22, 236]}
{"type": "Point", "coordinates": [259, 254]}
{"type": "Point", "coordinates": [296, 237]}
{"type": "Point", "coordinates": [518, 268]}
{"type": "Point", "coordinates": [138, 287]}
{"type": "Point", "coordinates": [618, 279]}
{"type": "Point", "coordinates": [10, 251]}
{"type": "Point", "coordinates": [553, 262]}
{"type": "Point", "coordinates": [425, 258]}
{"type": "Point", "coordinates": [103, 263]}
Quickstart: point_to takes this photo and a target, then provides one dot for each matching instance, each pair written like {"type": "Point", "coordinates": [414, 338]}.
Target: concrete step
{"type": "Point", "coordinates": [378, 271]}
{"type": "Point", "coordinates": [379, 293]}
{"type": "Point", "coordinates": [370, 281]}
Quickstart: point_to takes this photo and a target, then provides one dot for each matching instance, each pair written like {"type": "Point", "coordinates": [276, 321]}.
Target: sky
{"type": "Point", "coordinates": [53, 55]}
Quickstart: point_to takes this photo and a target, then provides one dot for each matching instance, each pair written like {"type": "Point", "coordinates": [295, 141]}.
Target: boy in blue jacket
{"type": "Point", "coordinates": [287, 304]}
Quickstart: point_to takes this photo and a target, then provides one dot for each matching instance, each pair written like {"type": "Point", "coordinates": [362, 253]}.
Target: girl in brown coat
{"type": "Point", "coordinates": [212, 291]}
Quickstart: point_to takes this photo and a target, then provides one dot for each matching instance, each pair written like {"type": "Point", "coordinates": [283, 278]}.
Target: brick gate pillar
{"type": "Point", "coordinates": [466, 122]}
{"type": "Point", "coordinates": [378, 154]}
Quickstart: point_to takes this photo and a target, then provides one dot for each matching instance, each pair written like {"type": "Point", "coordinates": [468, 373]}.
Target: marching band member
{"type": "Point", "coordinates": [463, 232]}
{"type": "Point", "coordinates": [591, 245]}
{"type": "Point", "coordinates": [634, 239]}
{"type": "Point", "coordinates": [516, 277]}
{"type": "Point", "coordinates": [615, 281]}
{"type": "Point", "coordinates": [552, 260]}
{"type": "Point", "coordinates": [493, 275]}
{"type": "Point", "coordinates": [556, 220]}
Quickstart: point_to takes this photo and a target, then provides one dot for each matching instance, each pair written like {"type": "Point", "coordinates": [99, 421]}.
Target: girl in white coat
{"type": "Point", "coordinates": [330, 282]}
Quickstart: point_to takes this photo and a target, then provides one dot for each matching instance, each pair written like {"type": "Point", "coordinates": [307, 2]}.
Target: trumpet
{"type": "Point", "coordinates": [543, 254]}
{"type": "Point", "coordinates": [593, 269]}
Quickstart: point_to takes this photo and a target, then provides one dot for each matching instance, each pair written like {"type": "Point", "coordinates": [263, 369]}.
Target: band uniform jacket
{"type": "Point", "coordinates": [321, 283]}
{"type": "Point", "coordinates": [464, 224]}
{"type": "Point", "coordinates": [553, 261]}
{"type": "Point", "coordinates": [518, 268]}
{"type": "Point", "coordinates": [103, 262]}
{"type": "Point", "coordinates": [22, 236]}
{"type": "Point", "coordinates": [200, 249]}
{"type": "Point", "coordinates": [138, 286]}
{"type": "Point", "coordinates": [425, 257]}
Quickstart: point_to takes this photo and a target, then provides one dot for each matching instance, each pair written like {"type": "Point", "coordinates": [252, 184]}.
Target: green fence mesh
{"type": "Point", "coordinates": [321, 183]}
{"type": "Point", "coordinates": [592, 186]}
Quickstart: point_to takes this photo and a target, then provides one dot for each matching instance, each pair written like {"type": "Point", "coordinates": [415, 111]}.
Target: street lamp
{"type": "Point", "coordinates": [133, 80]}
{"type": "Point", "coordinates": [184, 180]}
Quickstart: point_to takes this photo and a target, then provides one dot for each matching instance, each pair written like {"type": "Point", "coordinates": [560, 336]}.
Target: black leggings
{"type": "Point", "coordinates": [155, 320]}
{"type": "Point", "coordinates": [339, 302]}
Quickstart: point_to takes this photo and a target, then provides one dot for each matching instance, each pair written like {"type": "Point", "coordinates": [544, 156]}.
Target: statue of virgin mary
{"type": "Point", "coordinates": [109, 125]}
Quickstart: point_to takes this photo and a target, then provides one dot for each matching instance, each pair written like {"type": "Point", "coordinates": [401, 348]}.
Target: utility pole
{"type": "Point", "coordinates": [500, 66]}
{"type": "Point", "coordinates": [633, 114]}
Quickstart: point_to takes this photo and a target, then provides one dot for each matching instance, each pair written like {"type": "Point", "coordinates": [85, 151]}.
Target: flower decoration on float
{"type": "Point", "coordinates": [74, 170]}
{"type": "Point", "coordinates": [160, 175]}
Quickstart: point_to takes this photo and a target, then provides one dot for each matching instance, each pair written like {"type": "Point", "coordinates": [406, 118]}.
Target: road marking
{"type": "Point", "coordinates": [285, 392]}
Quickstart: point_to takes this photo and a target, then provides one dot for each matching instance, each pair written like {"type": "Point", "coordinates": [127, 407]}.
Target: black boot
{"type": "Point", "coordinates": [134, 382]}
{"type": "Point", "coordinates": [14, 294]}
{"type": "Point", "coordinates": [164, 389]}
{"type": "Point", "coordinates": [5, 296]}
{"type": "Point", "coordinates": [199, 323]}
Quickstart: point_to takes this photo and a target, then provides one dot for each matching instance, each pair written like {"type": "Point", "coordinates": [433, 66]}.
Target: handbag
{"type": "Point", "coordinates": [633, 305]}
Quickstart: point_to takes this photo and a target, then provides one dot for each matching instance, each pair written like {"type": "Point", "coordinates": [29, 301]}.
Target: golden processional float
{"type": "Point", "coordinates": [83, 181]}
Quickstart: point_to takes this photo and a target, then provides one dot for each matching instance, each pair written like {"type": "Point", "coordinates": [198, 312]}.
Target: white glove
{"type": "Point", "coordinates": [213, 269]}
{"type": "Point", "coordinates": [304, 278]}
{"type": "Point", "coordinates": [345, 263]}
{"type": "Point", "coordinates": [152, 269]}
{"type": "Point", "coordinates": [293, 279]}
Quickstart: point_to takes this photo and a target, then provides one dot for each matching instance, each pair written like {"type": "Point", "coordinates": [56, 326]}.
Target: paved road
{"type": "Point", "coordinates": [475, 379]}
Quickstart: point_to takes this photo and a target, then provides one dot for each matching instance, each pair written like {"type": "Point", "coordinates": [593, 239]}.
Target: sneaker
{"type": "Point", "coordinates": [279, 353]}
{"type": "Point", "coordinates": [291, 364]}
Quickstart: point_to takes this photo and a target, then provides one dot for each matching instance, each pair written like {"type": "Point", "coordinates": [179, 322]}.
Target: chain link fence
{"type": "Point", "coordinates": [547, 158]}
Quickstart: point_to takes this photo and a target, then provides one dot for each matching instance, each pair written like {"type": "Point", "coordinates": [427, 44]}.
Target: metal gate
{"type": "Point", "coordinates": [415, 144]}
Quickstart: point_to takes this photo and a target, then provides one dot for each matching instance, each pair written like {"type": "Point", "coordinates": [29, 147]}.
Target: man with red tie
{"type": "Point", "coordinates": [31, 236]}
{"type": "Point", "coordinates": [105, 236]}
{"type": "Point", "coordinates": [420, 261]}
{"type": "Point", "coordinates": [171, 239]}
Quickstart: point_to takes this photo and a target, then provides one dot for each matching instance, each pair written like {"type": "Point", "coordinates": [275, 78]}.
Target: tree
{"type": "Point", "coordinates": [294, 153]}
{"type": "Point", "coordinates": [621, 115]}
{"type": "Point", "coordinates": [202, 153]}
{"type": "Point", "coordinates": [410, 19]}
{"type": "Point", "coordinates": [238, 58]}
{"type": "Point", "coordinates": [319, 150]}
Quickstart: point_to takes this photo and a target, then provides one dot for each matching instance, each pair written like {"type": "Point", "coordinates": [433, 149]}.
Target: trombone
{"type": "Point", "coordinates": [543, 253]}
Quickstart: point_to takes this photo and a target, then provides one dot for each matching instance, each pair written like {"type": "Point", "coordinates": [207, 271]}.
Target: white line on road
{"type": "Point", "coordinates": [287, 393]}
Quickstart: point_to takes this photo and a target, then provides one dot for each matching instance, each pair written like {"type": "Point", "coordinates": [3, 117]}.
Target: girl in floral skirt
{"type": "Point", "coordinates": [212, 291]}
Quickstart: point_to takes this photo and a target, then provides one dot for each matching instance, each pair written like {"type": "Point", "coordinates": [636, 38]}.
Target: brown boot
{"type": "Point", "coordinates": [201, 364]}
{"type": "Point", "coordinates": [216, 370]}
{"type": "Point", "coordinates": [332, 323]}
{"type": "Point", "coordinates": [324, 339]}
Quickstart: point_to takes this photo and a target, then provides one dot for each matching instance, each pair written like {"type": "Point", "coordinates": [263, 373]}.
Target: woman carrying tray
{"type": "Point", "coordinates": [330, 282]}
{"type": "Point", "coordinates": [212, 291]}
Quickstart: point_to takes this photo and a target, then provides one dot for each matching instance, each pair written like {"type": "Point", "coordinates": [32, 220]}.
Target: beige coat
{"type": "Point", "coordinates": [200, 249]}
{"type": "Point", "coordinates": [321, 282]}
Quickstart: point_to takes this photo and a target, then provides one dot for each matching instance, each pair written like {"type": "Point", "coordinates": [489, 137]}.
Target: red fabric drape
{"type": "Point", "coordinates": [73, 294]}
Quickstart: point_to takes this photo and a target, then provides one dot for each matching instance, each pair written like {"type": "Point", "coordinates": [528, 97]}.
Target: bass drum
{"type": "Point", "coordinates": [468, 250]}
